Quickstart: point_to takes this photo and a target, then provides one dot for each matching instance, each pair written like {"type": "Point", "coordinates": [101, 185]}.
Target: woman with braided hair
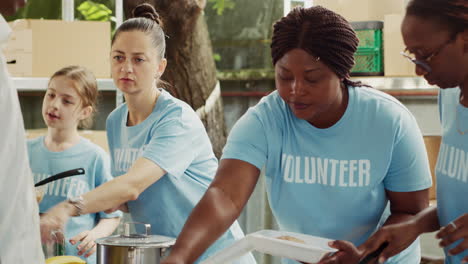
{"type": "Point", "coordinates": [335, 153]}
{"type": "Point", "coordinates": [435, 33]}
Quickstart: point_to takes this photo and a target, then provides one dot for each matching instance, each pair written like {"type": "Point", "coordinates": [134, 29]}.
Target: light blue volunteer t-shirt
{"type": "Point", "coordinates": [331, 182]}
{"type": "Point", "coordinates": [174, 138]}
{"type": "Point", "coordinates": [87, 155]}
{"type": "Point", "coordinates": [452, 164]}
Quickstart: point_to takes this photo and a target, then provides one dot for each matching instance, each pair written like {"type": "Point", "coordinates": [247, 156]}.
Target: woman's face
{"type": "Point", "coordinates": [135, 65]}
{"type": "Point", "coordinates": [444, 53]}
{"type": "Point", "coordinates": [309, 87]}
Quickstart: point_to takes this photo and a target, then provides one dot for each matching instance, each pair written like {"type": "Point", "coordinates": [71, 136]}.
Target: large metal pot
{"type": "Point", "coordinates": [139, 248]}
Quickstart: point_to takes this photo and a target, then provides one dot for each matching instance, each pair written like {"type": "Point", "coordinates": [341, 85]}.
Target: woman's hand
{"type": "Point", "coordinates": [86, 242]}
{"type": "Point", "coordinates": [347, 253]}
{"type": "Point", "coordinates": [398, 236]}
{"type": "Point", "coordinates": [456, 230]}
{"type": "Point", "coordinates": [55, 220]}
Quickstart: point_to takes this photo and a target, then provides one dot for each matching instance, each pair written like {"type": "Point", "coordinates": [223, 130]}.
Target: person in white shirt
{"type": "Point", "coordinates": [19, 219]}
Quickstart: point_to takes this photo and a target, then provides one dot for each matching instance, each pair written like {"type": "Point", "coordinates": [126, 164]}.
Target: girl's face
{"type": "Point", "coordinates": [62, 107]}
{"type": "Point", "coordinates": [135, 65]}
{"type": "Point", "coordinates": [309, 87]}
{"type": "Point", "coordinates": [445, 53]}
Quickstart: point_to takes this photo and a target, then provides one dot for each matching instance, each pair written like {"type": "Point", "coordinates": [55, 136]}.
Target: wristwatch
{"type": "Point", "coordinates": [78, 202]}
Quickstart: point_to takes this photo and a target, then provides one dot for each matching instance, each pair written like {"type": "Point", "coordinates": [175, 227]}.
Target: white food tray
{"type": "Point", "coordinates": [309, 249]}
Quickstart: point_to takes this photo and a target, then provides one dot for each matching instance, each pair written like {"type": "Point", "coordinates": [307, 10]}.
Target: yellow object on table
{"type": "Point", "coordinates": [65, 260]}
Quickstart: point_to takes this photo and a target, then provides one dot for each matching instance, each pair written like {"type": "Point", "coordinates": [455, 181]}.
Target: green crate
{"type": "Point", "coordinates": [368, 62]}
{"type": "Point", "coordinates": [369, 38]}
{"type": "Point", "coordinates": [369, 55]}
{"type": "Point", "coordinates": [369, 34]}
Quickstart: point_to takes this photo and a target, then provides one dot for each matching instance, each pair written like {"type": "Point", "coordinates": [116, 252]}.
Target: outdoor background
{"type": "Point", "coordinates": [240, 34]}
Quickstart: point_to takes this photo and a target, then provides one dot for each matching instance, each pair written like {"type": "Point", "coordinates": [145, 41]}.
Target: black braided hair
{"type": "Point", "coordinates": [145, 19]}
{"type": "Point", "coordinates": [452, 14]}
{"type": "Point", "coordinates": [321, 33]}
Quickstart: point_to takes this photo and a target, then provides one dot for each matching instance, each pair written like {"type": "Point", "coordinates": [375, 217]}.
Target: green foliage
{"type": "Point", "coordinates": [37, 9]}
{"type": "Point", "coordinates": [217, 57]}
{"type": "Point", "coordinates": [95, 11]}
{"type": "Point", "coordinates": [221, 5]}
{"type": "Point", "coordinates": [51, 9]}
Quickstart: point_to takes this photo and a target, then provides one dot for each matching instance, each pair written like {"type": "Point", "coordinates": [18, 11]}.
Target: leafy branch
{"type": "Point", "coordinates": [95, 11]}
{"type": "Point", "coordinates": [221, 5]}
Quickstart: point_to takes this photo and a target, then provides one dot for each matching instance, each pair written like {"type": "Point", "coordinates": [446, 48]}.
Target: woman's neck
{"type": "Point", "coordinates": [141, 105]}
{"type": "Point", "coordinates": [336, 110]}
{"type": "Point", "coordinates": [58, 140]}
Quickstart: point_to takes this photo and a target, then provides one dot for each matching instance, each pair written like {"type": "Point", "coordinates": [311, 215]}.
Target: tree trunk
{"type": "Point", "coordinates": [191, 71]}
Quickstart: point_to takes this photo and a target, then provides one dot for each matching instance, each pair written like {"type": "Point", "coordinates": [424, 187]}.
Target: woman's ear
{"type": "Point", "coordinates": [161, 68]}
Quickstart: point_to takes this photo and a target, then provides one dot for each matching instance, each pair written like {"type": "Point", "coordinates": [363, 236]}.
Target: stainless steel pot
{"type": "Point", "coordinates": [133, 248]}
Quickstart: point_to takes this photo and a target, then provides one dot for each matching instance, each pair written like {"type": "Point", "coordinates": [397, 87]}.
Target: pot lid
{"type": "Point", "coordinates": [137, 240]}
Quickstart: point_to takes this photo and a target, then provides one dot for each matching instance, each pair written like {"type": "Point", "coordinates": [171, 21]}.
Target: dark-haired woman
{"type": "Point", "coordinates": [435, 33]}
{"type": "Point", "coordinates": [161, 155]}
{"type": "Point", "coordinates": [335, 153]}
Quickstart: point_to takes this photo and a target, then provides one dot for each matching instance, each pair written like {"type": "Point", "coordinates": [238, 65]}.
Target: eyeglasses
{"type": "Point", "coordinates": [424, 63]}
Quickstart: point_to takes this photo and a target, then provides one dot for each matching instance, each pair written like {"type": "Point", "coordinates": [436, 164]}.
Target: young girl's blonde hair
{"type": "Point", "coordinates": [85, 85]}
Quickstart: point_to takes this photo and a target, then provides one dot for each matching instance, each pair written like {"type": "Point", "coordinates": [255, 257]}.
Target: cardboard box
{"type": "Point", "coordinates": [98, 137]}
{"type": "Point", "coordinates": [364, 10]}
{"type": "Point", "coordinates": [394, 63]}
{"type": "Point", "coordinates": [432, 147]}
{"type": "Point", "coordinates": [38, 48]}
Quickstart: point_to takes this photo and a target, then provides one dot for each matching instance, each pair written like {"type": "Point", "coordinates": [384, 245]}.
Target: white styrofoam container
{"type": "Point", "coordinates": [267, 242]}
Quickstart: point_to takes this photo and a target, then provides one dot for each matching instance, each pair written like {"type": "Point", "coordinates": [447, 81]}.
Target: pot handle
{"type": "Point", "coordinates": [127, 229]}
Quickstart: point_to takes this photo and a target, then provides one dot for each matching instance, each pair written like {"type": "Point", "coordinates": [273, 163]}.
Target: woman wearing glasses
{"type": "Point", "coordinates": [436, 34]}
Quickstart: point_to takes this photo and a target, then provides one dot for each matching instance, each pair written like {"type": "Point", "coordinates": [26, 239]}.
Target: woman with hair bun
{"type": "Point", "coordinates": [161, 156]}
{"type": "Point", "coordinates": [341, 159]}
{"type": "Point", "coordinates": [435, 33]}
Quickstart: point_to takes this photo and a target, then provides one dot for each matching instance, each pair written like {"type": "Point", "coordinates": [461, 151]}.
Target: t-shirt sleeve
{"type": "Point", "coordinates": [247, 141]}
{"type": "Point", "coordinates": [103, 175]}
{"type": "Point", "coordinates": [171, 145]}
{"type": "Point", "coordinates": [409, 167]}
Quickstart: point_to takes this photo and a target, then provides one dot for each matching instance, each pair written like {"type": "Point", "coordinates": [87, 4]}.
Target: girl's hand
{"type": "Point", "coordinates": [347, 253]}
{"type": "Point", "coordinates": [456, 230]}
{"type": "Point", "coordinates": [54, 220]}
{"type": "Point", "coordinates": [86, 243]}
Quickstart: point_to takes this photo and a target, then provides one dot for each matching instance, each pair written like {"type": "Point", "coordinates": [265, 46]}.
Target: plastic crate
{"type": "Point", "coordinates": [369, 38]}
{"type": "Point", "coordinates": [369, 34]}
{"type": "Point", "coordinates": [368, 62]}
{"type": "Point", "coordinates": [369, 55]}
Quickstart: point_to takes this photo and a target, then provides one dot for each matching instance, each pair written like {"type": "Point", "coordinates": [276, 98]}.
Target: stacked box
{"type": "Point", "coordinates": [369, 55]}
{"type": "Point", "coordinates": [38, 48]}
{"type": "Point", "coordinates": [364, 10]}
